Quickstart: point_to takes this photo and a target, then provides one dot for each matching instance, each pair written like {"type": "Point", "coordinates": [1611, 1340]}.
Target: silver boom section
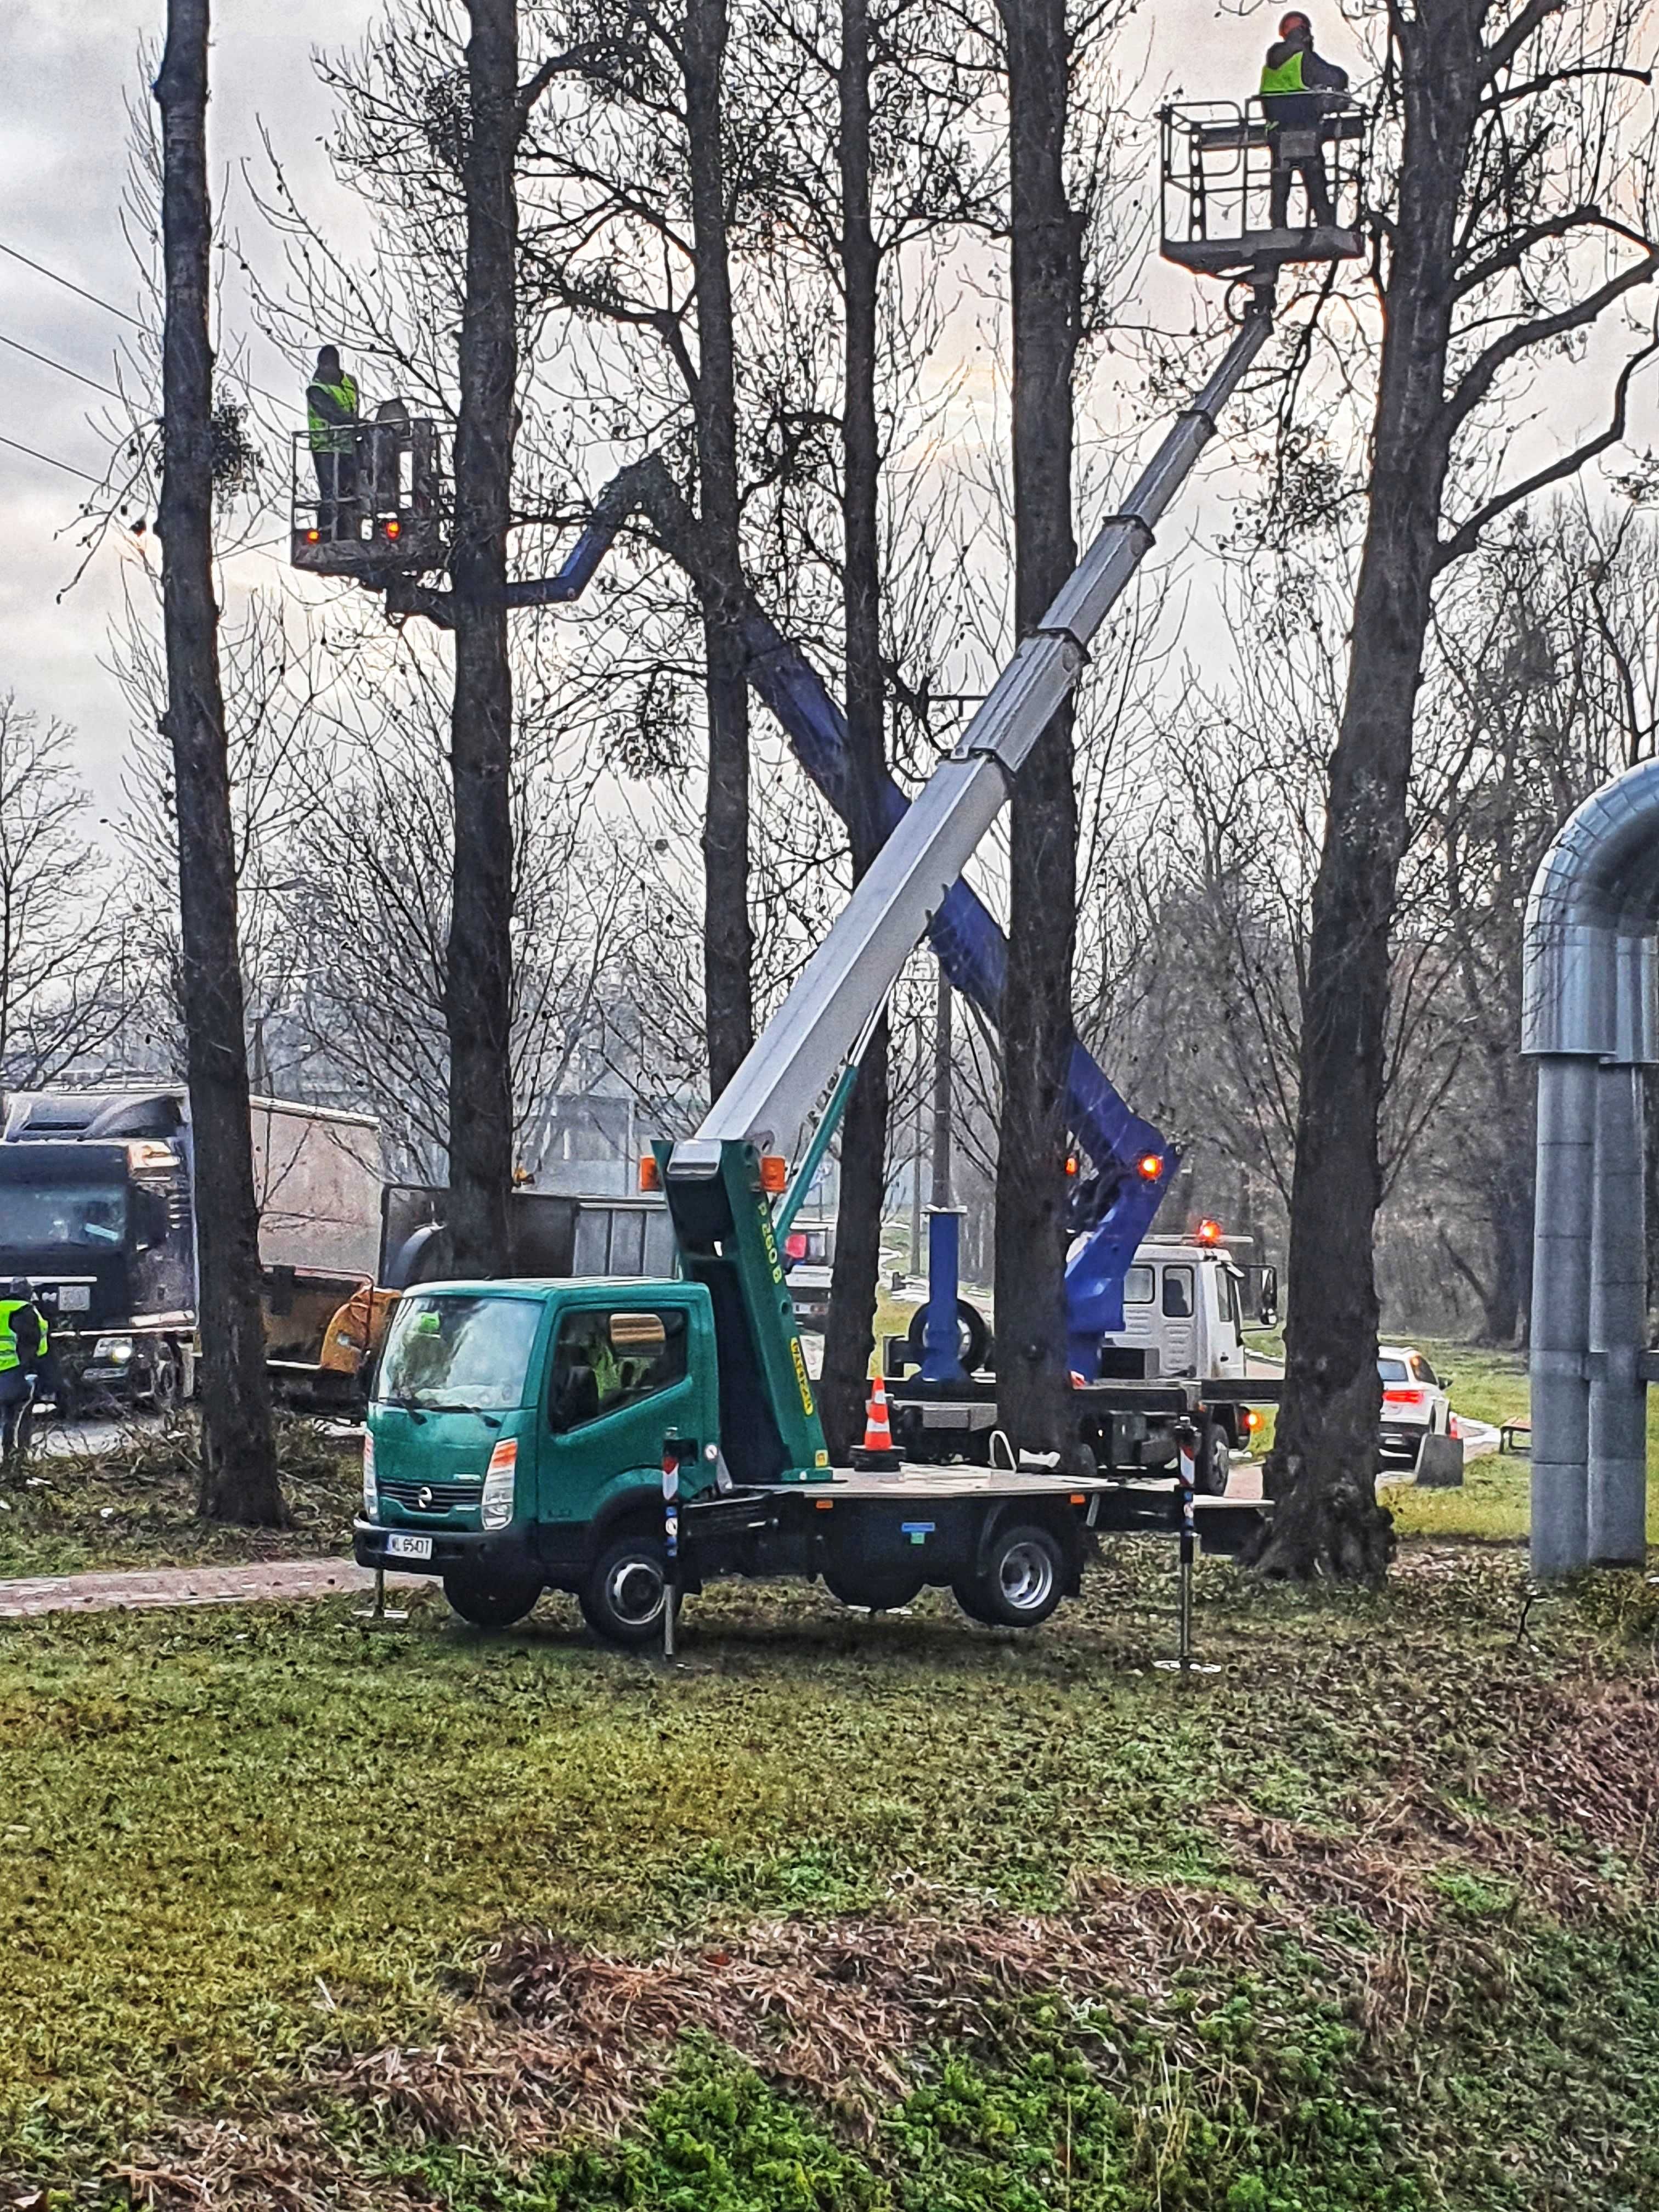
{"type": "Point", "coordinates": [793, 1061]}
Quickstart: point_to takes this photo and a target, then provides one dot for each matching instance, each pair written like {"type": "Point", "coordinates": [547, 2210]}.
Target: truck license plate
{"type": "Point", "coordinates": [408, 1547]}
{"type": "Point", "coordinates": [75, 1297]}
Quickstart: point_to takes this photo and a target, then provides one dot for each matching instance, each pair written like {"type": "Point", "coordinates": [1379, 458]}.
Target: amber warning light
{"type": "Point", "coordinates": [394, 530]}
{"type": "Point", "coordinates": [650, 1173]}
{"type": "Point", "coordinates": [1151, 1166]}
{"type": "Point", "coordinates": [1209, 1233]}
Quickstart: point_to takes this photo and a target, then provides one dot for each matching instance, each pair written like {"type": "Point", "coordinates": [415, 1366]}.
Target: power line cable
{"type": "Point", "coordinates": [40, 267]}
{"type": "Point", "coordinates": [110, 308]}
{"type": "Point", "coordinates": [67, 468]}
{"type": "Point", "coordinates": [62, 367]}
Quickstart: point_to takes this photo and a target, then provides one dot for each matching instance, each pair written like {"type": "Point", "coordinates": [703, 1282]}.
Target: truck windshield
{"type": "Point", "coordinates": [91, 1216]}
{"type": "Point", "coordinates": [458, 1355]}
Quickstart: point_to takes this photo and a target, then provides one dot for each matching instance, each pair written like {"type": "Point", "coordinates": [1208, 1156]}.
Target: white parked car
{"type": "Point", "coordinates": [1414, 1402]}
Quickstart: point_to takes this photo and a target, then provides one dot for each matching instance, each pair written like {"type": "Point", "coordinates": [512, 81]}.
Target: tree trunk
{"type": "Point", "coordinates": [850, 1336]}
{"type": "Point", "coordinates": [728, 944]}
{"type": "Point", "coordinates": [238, 1459]}
{"type": "Point", "coordinates": [1323, 1469]}
{"type": "Point", "coordinates": [478, 987]}
{"type": "Point", "coordinates": [1037, 1000]}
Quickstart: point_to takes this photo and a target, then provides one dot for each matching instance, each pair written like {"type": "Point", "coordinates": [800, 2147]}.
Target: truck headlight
{"type": "Point", "coordinates": [370, 1491]}
{"type": "Point", "coordinates": [495, 1507]}
{"type": "Point", "coordinates": [116, 1349]}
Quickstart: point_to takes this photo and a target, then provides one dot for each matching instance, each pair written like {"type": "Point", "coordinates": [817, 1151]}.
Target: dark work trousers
{"type": "Point", "coordinates": [336, 493]}
{"type": "Point", "coordinates": [16, 1413]}
{"type": "Point", "coordinates": [1311, 168]}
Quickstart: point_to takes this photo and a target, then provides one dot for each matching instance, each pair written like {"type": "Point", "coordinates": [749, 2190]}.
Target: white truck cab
{"type": "Point", "coordinates": [1184, 1312]}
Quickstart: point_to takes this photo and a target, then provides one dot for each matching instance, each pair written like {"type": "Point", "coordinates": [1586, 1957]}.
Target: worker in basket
{"type": "Point", "coordinates": [23, 1355]}
{"type": "Point", "coordinates": [332, 419]}
{"type": "Point", "coordinates": [1295, 83]}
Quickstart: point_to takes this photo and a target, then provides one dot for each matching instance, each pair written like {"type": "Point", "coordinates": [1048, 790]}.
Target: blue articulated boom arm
{"type": "Point", "coordinates": [969, 943]}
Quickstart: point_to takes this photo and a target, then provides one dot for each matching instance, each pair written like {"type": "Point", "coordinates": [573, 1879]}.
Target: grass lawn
{"type": "Point", "coordinates": [134, 1504]}
{"type": "Point", "coordinates": [842, 1913]}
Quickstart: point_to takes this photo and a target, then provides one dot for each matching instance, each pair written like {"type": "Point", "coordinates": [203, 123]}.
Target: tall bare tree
{"type": "Point", "coordinates": [478, 987]}
{"type": "Point", "coordinates": [238, 1460]}
{"type": "Point", "coordinates": [1518, 220]}
{"type": "Point", "coordinates": [1047, 292]}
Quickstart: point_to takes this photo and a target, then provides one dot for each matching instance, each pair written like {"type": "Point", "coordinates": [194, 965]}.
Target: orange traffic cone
{"type": "Point", "coordinates": [876, 1453]}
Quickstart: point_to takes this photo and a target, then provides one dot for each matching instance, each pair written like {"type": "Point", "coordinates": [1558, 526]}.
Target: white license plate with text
{"type": "Point", "coordinates": [75, 1297]}
{"type": "Point", "coordinates": [408, 1547]}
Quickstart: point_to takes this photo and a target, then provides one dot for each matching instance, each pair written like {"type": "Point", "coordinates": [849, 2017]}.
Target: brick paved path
{"type": "Point", "coordinates": [152, 1586]}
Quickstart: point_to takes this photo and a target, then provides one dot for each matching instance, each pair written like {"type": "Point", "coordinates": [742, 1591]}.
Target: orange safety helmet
{"type": "Point", "coordinates": [1296, 20]}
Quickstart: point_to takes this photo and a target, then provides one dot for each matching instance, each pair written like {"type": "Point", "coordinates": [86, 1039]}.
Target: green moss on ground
{"type": "Point", "coordinates": [1366, 1920]}
{"type": "Point", "coordinates": [133, 1504]}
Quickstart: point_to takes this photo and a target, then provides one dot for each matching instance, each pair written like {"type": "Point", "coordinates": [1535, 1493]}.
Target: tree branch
{"type": "Point", "coordinates": [1477, 380]}
{"type": "Point", "coordinates": [1463, 539]}
{"type": "Point", "coordinates": [1505, 48]}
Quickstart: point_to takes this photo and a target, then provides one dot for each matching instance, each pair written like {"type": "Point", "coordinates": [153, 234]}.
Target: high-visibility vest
{"type": "Point", "coordinates": [328, 437]}
{"type": "Point", "coordinates": [9, 1309]}
{"type": "Point", "coordinates": [1287, 77]}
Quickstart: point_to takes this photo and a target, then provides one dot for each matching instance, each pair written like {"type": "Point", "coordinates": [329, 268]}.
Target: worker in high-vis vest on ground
{"type": "Point", "coordinates": [331, 421]}
{"type": "Point", "coordinates": [1294, 82]}
{"type": "Point", "coordinates": [23, 1349]}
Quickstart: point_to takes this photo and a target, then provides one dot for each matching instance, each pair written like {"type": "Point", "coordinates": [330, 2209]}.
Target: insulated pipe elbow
{"type": "Point", "coordinates": [1589, 983]}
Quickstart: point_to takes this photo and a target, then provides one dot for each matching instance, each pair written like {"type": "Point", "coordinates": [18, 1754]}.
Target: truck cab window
{"type": "Point", "coordinates": [1234, 1307]}
{"type": "Point", "coordinates": [1138, 1287]}
{"type": "Point", "coordinates": [605, 1361]}
{"type": "Point", "coordinates": [1178, 1293]}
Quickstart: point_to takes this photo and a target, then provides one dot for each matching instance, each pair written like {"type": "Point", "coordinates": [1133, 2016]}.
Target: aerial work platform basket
{"type": "Point", "coordinates": [379, 508]}
{"type": "Point", "coordinates": [1224, 164]}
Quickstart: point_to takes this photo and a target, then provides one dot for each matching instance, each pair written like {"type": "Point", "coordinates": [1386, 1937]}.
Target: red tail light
{"type": "Point", "coordinates": [1405, 1397]}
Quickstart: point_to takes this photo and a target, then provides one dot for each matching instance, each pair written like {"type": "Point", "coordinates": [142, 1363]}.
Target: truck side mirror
{"type": "Point", "coordinates": [1267, 1312]}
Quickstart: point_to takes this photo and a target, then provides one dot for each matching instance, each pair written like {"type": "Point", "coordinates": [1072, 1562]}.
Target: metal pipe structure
{"type": "Point", "coordinates": [1590, 1019]}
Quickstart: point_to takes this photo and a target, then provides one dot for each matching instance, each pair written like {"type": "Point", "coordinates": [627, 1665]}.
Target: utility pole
{"type": "Point", "coordinates": [239, 1458]}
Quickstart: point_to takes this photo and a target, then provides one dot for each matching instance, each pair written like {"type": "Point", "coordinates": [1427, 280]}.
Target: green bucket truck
{"type": "Point", "coordinates": [626, 1439]}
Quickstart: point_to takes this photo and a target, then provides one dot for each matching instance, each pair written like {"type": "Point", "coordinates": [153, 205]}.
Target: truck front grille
{"type": "Point", "coordinates": [432, 1497]}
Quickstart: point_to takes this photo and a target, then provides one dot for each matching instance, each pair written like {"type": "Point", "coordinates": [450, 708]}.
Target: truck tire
{"type": "Point", "coordinates": [622, 1598]}
{"type": "Point", "coordinates": [874, 1589]}
{"type": "Point", "coordinates": [491, 1597]}
{"type": "Point", "coordinates": [973, 1337]}
{"type": "Point", "coordinates": [1213, 1467]}
{"type": "Point", "coordinates": [1022, 1581]}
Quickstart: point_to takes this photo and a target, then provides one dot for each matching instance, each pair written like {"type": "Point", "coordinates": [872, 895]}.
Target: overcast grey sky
{"type": "Point", "coordinates": [63, 130]}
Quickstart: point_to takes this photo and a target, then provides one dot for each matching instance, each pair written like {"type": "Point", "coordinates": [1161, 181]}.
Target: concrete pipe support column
{"type": "Point", "coordinates": [1590, 1018]}
{"type": "Point", "coordinates": [1618, 1323]}
{"type": "Point", "coordinates": [1560, 1315]}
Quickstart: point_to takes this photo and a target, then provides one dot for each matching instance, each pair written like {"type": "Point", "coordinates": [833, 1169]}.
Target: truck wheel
{"type": "Point", "coordinates": [871, 1589]}
{"type": "Point", "coordinates": [1212, 1469]}
{"type": "Point", "coordinates": [491, 1597]}
{"type": "Point", "coordinates": [973, 1337]}
{"type": "Point", "coordinates": [624, 1597]}
{"type": "Point", "coordinates": [1023, 1582]}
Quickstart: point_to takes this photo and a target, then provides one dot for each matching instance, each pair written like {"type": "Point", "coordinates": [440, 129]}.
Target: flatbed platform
{"type": "Point", "coordinates": [1102, 1504]}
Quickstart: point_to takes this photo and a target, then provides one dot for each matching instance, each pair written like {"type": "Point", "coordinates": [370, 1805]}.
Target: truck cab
{"type": "Point", "coordinates": [1183, 1313]}
{"type": "Point", "coordinates": [517, 1429]}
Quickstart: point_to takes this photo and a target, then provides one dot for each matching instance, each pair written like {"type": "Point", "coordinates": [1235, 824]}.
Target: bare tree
{"type": "Point", "coordinates": [62, 968]}
{"type": "Point", "coordinates": [239, 1464]}
{"type": "Point", "coordinates": [1519, 221]}
{"type": "Point", "coordinates": [1047, 292]}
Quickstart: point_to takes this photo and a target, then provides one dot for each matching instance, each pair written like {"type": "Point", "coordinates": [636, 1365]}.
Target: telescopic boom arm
{"type": "Point", "coordinates": [793, 1063]}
